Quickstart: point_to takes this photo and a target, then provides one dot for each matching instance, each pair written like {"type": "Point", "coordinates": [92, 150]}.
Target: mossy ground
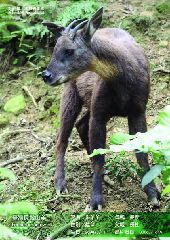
{"type": "Point", "coordinates": [35, 174]}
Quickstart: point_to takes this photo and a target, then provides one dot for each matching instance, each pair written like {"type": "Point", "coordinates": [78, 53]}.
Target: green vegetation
{"type": "Point", "coordinates": [4, 119]}
{"type": "Point", "coordinates": [120, 168]}
{"type": "Point", "coordinates": [15, 105]}
{"type": "Point", "coordinates": [8, 209]}
{"type": "Point", "coordinates": [82, 9]}
{"type": "Point", "coordinates": [51, 110]}
{"type": "Point", "coordinates": [139, 23]}
{"type": "Point", "coordinates": [164, 8]}
{"type": "Point", "coordinates": [96, 222]}
{"type": "Point", "coordinates": [25, 36]}
{"type": "Point", "coordinates": [155, 141]}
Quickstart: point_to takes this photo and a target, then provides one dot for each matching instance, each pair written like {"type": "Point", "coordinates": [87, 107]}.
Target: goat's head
{"type": "Point", "coordinates": [72, 54]}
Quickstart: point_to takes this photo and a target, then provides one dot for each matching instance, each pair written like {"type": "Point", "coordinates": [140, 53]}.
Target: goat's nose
{"type": "Point", "coordinates": [47, 76]}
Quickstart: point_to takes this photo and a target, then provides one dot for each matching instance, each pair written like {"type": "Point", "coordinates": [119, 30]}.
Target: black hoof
{"type": "Point", "coordinates": [61, 187]}
{"type": "Point", "coordinates": [153, 194]}
{"type": "Point", "coordinates": [154, 202]}
{"type": "Point", "coordinates": [89, 208]}
{"type": "Point", "coordinates": [96, 202]}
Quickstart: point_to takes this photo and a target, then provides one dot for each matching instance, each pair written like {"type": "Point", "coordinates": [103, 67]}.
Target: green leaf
{"type": "Point", "coordinates": [2, 50]}
{"type": "Point", "coordinates": [2, 186]}
{"type": "Point", "coordinates": [119, 138]}
{"type": "Point", "coordinates": [165, 117]}
{"type": "Point", "coordinates": [166, 190]}
{"type": "Point", "coordinates": [26, 45]}
{"type": "Point", "coordinates": [83, 9]}
{"type": "Point", "coordinates": [7, 233]}
{"type": "Point", "coordinates": [22, 207]}
{"type": "Point", "coordinates": [22, 51]}
{"type": "Point", "coordinates": [167, 155]}
{"type": "Point", "coordinates": [98, 151]}
{"type": "Point", "coordinates": [151, 174]}
{"type": "Point", "coordinates": [15, 61]}
{"type": "Point", "coordinates": [31, 55]}
{"type": "Point", "coordinates": [166, 175]}
{"type": "Point", "coordinates": [6, 173]}
{"type": "Point", "coordinates": [16, 104]}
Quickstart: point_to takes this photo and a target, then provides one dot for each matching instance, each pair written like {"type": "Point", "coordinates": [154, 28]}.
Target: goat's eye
{"type": "Point", "coordinates": [69, 52]}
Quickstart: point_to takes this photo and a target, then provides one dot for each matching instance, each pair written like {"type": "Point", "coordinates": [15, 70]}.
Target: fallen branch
{"type": "Point", "coordinates": [38, 138]}
{"type": "Point", "coordinates": [27, 91]}
{"type": "Point", "coordinates": [163, 70]}
{"type": "Point", "coordinates": [25, 71]}
{"type": "Point", "coordinates": [108, 180]}
{"type": "Point", "coordinates": [37, 238]}
{"type": "Point", "coordinates": [64, 196]}
{"type": "Point", "coordinates": [14, 160]}
{"type": "Point", "coordinates": [66, 227]}
{"type": "Point", "coordinates": [8, 133]}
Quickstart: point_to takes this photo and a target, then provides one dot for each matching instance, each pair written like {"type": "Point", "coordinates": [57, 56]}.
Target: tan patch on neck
{"type": "Point", "coordinates": [103, 68]}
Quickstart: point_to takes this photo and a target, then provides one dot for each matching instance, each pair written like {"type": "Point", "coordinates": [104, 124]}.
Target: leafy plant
{"type": "Point", "coordinates": [120, 167]}
{"type": "Point", "coordinates": [26, 35]}
{"type": "Point", "coordinates": [135, 22]}
{"type": "Point", "coordinates": [82, 9]}
{"type": "Point", "coordinates": [156, 141]}
{"type": "Point", "coordinates": [163, 7]}
{"type": "Point", "coordinates": [10, 209]}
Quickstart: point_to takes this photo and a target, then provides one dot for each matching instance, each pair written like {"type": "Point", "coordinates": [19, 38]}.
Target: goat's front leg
{"type": "Point", "coordinates": [70, 108]}
{"type": "Point", "coordinates": [97, 139]}
{"type": "Point", "coordinates": [137, 123]}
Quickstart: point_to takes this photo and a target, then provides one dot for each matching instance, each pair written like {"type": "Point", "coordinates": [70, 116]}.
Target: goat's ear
{"type": "Point", "coordinates": [92, 25]}
{"type": "Point", "coordinates": [54, 28]}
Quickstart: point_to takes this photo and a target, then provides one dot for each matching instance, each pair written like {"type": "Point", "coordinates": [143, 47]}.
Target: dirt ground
{"type": "Point", "coordinates": [33, 136]}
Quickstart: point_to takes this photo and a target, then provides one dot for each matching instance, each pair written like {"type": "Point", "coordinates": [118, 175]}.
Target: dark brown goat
{"type": "Point", "coordinates": [106, 71]}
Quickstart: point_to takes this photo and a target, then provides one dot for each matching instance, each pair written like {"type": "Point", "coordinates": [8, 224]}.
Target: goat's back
{"type": "Point", "coordinates": [117, 47]}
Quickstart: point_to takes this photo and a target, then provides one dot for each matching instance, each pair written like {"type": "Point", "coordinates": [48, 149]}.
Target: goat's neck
{"type": "Point", "coordinates": [104, 60]}
{"type": "Point", "coordinates": [103, 68]}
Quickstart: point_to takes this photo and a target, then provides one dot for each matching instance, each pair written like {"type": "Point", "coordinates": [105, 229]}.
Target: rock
{"type": "Point", "coordinates": [150, 120]}
{"type": "Point", "coordinates": [15, 105]}
{"type": "Point", "coordinates": [49, 102]}
{"type": "Point", "coordinates": [23, 122]}
{"type": "Point", "coordinates": [4, 120]}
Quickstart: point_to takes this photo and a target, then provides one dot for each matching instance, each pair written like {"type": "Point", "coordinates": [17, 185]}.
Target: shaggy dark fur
{"type": "Point", "coordinates": [108, 73]}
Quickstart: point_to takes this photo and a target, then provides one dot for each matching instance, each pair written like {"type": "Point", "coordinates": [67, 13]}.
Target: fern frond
{"type": "Point", "coordinates": [84, 9]}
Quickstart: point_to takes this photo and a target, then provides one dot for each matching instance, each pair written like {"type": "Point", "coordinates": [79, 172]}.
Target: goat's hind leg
{"type": "Point", "coordinates": [83, 129]}
{"type": "Point", "coordinates": [137, 123]}
{"type": "Point", "coordinates": [70, 108]}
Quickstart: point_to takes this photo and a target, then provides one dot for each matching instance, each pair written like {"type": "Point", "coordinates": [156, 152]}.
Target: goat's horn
{"type": "Point", "coordinates": [79, 26]}
{"type": "Point", "coordinates": [67, 29]}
